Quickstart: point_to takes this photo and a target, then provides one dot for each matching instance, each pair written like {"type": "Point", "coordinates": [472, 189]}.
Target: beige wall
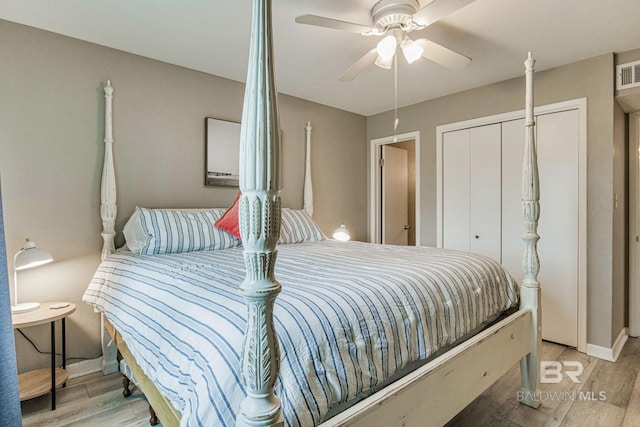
{"type": "Point", "coordinates": [591, 78]}
{"type": "Point", "coordinates": [51, 145]}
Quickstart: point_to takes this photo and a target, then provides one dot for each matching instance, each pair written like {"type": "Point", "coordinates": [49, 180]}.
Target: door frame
{"type": "Point", "coordinates": [579, 104]}
{"type": "Point", "coordinates": [634, 224]}
{"type": "Point", "coordinates": [375, 216]}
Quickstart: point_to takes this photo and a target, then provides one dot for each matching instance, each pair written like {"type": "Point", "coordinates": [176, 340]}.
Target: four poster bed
{"type": "Point", "coordinates": [411, 342]}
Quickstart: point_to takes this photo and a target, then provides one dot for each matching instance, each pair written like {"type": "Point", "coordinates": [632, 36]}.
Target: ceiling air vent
{"type": "Point", "coordinates": [628, 75]}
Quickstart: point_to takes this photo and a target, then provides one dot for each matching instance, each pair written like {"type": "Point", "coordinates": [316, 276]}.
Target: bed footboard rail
{"type": "Point", "coordinates": [437, 391]}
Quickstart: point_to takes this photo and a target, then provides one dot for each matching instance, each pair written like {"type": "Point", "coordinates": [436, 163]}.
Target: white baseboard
{"type": "Point", "coordinates": [85, 367]}
{"type": "Point", "coordinates": [610, 354]}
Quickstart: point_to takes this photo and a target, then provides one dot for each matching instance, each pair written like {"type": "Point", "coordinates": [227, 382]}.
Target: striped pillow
{"type": "Point", "coordinates": [183, 230]}
{"type": "Point", "coordinates": [297, 226]}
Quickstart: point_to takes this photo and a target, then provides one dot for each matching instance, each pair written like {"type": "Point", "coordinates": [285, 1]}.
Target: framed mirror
{"type": "Point", "coordinates": [222, 153]}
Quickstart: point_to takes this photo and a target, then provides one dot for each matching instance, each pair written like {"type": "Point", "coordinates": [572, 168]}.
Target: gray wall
{"type": "Point", "coordinates": [51, 145]}
{"type": "Point", "coordinates": [591, 78]}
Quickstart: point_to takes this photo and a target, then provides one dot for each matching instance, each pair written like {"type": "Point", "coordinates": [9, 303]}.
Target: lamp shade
{"type": "Point", "coordinates": [412, 51]}
{"type": "Point", "coordinates": [387, 47]}
{"type": "Point", "coordinates": [385, 63]}
{"type": "Point", "coordinates": [342, 233]}
{"type": "Point", "coordinates": [31, 256]}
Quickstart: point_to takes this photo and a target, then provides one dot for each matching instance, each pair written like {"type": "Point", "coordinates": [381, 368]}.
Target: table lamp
{"type": "Point", "coordinates": [28, 257]}
{"type": "Point", "coordinates": [342, 233]}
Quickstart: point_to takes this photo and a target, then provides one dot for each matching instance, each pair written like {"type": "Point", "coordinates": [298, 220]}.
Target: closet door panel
{"type": "Point", "coordinates": [559, 136]}
{"type": "Point", "coordinates": [455, 186]}
{"type": "Point", "coordinates": [557, 142]}
{"type": "Point", "coordinates": [512, 227]}
{"type": "Point", "coordinates": [485, 193]}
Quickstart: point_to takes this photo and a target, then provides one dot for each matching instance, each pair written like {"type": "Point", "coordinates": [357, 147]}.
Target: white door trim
{"type": "Point", "coordinates": [374, 183]}
{"type": "Point", "coordinates": [634, 224]}
{"type": "Point", "coordinates": [581, 105]}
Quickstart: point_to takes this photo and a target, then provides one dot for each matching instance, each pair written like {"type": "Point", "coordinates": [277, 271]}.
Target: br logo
{"type": "Point", "coordinates": [551, 372]}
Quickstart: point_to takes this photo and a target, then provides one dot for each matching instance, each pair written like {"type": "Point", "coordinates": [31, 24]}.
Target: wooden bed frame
{"type": "Point", "coordinates": [430, 395]}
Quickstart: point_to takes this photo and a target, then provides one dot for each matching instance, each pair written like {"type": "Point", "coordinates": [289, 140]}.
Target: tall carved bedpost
{"type": "Point", "coordinates": [308, 185]}
{"type": "Point", "coordinates": [108, 208]}
{"type": "Point", "coordinates": [108, 212]}
{"type": "Point", "coordinates": [259, 218]}
{"type": "Point", "coordinates": [530, 290]}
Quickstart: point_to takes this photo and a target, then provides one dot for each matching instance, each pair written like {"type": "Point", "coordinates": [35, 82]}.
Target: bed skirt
{"type": "Point", "coordinates": [163, 408]}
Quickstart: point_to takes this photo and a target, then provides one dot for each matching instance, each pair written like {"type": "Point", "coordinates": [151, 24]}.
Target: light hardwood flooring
{"type": "Point", "coordinates": [93, 400]}
{"type": "Point", "coordinates": [96, 400]}
{"type": "Point", "coordinates": [565, 404]}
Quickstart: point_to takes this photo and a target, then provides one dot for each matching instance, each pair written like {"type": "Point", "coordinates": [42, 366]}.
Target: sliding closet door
{"type": "Point", "coordinates": [558, 147]}
{"type": "Point", "coordinates": [471, 190]}
{"type": "Point", "coordinates": [485, 223]}
{"type": "Point", "coordinates": [455, 190]}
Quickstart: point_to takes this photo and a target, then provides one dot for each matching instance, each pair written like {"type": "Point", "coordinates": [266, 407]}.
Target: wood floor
{"type": "Point", "coordinates": [608, 395]}
{"type": "Point", "coordinates": [96, 400]}
{"type": "Point", "coordinates": [93, 400]}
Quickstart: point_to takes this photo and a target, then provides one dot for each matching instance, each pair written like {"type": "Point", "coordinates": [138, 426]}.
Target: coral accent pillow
{"type": "Point", "coordinates": [229, 220]}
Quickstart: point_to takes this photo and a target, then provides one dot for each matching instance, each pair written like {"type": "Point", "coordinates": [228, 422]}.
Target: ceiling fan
{"type": "Point", "coordinates": [396, 19]}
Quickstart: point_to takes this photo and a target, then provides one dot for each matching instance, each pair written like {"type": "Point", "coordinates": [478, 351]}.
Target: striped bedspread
{"type": "Point", "coordinates": [349, 316]}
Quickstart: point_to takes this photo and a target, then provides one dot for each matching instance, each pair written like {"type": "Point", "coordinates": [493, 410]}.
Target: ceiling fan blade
{"type": "Point", "coordinates": [367, 60]}
{"type": "Point", "coordinates": [442, 55]}
{"type": "Point", "coordinates": [334, 24]}
{"type": "Point", "coordinates": [438, 9]}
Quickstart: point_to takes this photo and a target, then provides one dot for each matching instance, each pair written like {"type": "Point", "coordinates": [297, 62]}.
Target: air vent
{"type": "Point", "coordinates": [628, 75]}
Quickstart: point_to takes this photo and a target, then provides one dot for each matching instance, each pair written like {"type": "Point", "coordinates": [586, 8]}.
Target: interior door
{"type": "Point", "coordinates": [395, 202]}
{"type": "Point", "coordinates": [557, 143]}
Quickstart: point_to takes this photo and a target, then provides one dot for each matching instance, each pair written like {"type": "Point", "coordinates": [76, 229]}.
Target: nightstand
{"type": "Point", "coordinates": [42, 381]}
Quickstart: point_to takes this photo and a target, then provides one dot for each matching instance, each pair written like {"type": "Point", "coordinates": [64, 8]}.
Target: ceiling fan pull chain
{"type": "Point", "coordinates": [395, 101]}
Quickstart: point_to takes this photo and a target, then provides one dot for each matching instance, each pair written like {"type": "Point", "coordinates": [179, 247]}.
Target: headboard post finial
{"type": "Point", "coordinates": [108, 207]}
{"type": "Point", "coordinates": [259, 220]}
{"type": "Point", "coordinates": [529, 65]}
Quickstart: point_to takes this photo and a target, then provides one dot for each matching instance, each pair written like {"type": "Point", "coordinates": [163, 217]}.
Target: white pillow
{"type": "Point", "coordinates": [158, 231]}
{"type": "Point", "coordinates": [134, 235]}
{"type": "Point", "coordinates": [297, 226]}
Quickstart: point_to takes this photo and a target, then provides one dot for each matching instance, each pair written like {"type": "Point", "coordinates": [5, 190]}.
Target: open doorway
{"type": "Point", "coordinates": [394, 190]}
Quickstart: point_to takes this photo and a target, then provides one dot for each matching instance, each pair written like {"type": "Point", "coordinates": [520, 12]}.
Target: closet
{"type": "Point", "coordinates": [479, 206]}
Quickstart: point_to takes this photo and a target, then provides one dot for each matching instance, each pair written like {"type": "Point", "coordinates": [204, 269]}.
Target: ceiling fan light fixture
{"type": "Point", "coordinates": [383, 62]}
{"type": "Point", "coordinates": [387, 47]}
{"type": "Point", "coordinates": [412, 51]}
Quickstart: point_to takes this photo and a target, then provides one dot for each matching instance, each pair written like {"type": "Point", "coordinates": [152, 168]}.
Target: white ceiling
{"type": "Point", "coordinates": [213, 36]}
